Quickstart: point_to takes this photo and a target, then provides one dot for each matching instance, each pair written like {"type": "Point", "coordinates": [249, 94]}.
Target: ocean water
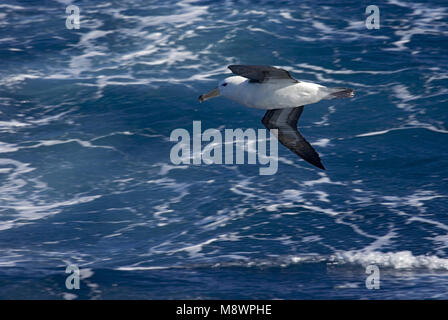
{"type": "Point", "coordinates": [86, 178]}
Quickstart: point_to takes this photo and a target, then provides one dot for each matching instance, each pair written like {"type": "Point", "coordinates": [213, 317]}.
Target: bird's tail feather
{"type": "Point", "coordinates": [341, 93]}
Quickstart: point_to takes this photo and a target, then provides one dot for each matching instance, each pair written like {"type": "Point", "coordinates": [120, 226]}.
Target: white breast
{"type": "Point", "coordinates": [276, 94]}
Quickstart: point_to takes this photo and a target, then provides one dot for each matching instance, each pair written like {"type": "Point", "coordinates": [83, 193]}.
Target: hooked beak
{"type": "Point", "coordinates": [212, 94]}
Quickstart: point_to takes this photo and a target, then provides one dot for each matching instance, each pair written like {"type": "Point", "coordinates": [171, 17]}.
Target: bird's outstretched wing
{"type": "Point", "coordinates": [285, 121]}
{"type": "Point", "coordinates": [262, 73]}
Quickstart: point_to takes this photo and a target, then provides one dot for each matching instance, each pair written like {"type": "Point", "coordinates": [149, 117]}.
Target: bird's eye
{"type": "Point", "coordinates": [224, 84]}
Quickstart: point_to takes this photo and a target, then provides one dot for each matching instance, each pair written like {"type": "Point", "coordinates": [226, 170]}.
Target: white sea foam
{"type": "Point", "coordinates": [7, 147]}
{"type": "Point", "coordinates": [424, 19]}
{"type": "Point", "coordinates": [69, 296]}
{"type": "Point", "coordinates": [324, 142]}
{"type": "Point", "coordinates": [400, 260]}
{"type": "Point", "coordinates": [12, 7]}
{"type": "Point", "coordinates": [323, 179]}
{"type": "Point", "coordinates": [33, 207]}
{"type": "Point", "coordinates": [27, 211]}
{"type": "Point", "coordinates": [131, 268]}
{"type": "Point", "coordinates": [395, 260]}
{"type": "Point", "coordinates": [339, 71]}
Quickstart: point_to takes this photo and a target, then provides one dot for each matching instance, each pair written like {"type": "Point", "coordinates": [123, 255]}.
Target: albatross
{"type": "Point", "coordinates": [273, 89]}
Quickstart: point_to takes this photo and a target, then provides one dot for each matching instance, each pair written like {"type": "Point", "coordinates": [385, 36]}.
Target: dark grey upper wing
{"type": "Point", "coordinates": [261, 73]}
{"type": "Point", "coordinates": [285, 121]}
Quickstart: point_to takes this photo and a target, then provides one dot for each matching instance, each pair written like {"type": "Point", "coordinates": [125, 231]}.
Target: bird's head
{"type": "Point", "coordinates": [225, 88]}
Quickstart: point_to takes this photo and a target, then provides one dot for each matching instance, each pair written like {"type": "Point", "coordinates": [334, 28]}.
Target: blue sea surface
{"type": "Point", "coordinates": [86, 177]}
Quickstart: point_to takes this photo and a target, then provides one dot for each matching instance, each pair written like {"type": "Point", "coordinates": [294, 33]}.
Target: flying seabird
{"type": "Point", "coordinates": [274, 90]}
